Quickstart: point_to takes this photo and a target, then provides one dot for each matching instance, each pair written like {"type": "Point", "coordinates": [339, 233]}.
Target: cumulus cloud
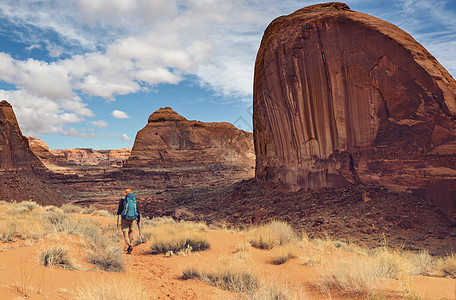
{"type": "Point", "coordinates": [99, 124]}
{"type": "Point", "coordinates": [118, 114]}
{"type": "Point", "coordinates": [76, 133]}
{"type": "Point", "coordinates": [125, 138]}
{"type": "Point", "coordinates": [117, 47]}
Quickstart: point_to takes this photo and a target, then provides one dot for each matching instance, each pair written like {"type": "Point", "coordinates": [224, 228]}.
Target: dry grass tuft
{"type": "Point", "coordinates": [359, 277]}
{"type": "Point", "coordinates": [109, 259]}
{"type": "Point", "coordinates": [20, 225]}
{"type": "Point", "coordinates": [446, 266]}
{"type": "Point", "coordinates": [71, 208]}
{"type": "Point", "coordinates": [228, 274]}
{"type": "Point", "coordinates": [273, 290]}
{"type": "Point", "coordinates": [117, 289]}
{"type": "Point", "coordinates": [285, 253]}
{"type": "Point", "coordinates": [271, 234]}
{"type": "Point", "coordinates": [166, 238]}
{"type": "Point", "coordinates": [56, 256]}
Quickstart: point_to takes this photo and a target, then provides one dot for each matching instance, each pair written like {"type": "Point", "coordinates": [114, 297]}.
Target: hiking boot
{"type": "Point", "coordinates": [129, 249]}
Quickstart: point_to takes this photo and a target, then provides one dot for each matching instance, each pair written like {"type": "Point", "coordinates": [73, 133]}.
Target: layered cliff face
{"type": "Point", "coordinates": [171, 141]}
{"type": "Point", "coordinates": [342, 97]}
{"type": "Point", "coordinates": [15, 153]}
{"type": "Point", "coordinates": [79, 156]}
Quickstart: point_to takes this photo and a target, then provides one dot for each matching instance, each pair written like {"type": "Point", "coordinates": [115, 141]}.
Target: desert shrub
{"type": "Point", "coordinates": [109, 258]}
{"type": "Point", "coordinates": [103, 213]}
{"type": "Point", "coordinates": [228, 273]}
{"type": "Point", "coordinates": [60, 222]}
{"type": "Point", "coordinates": [56, 256]}
{"type": "Point", "coordinates": [271, 234]}
{"type": "Point", "coordinates": [17, 210]}
{"type": "Point", "coordinates": [244, 247]}
{"type": "Point", "coordinates": [71, 208]}
{"type": "Point", "coordinates": [285, 253]}
{"type": "Point", "coordinates": [53, 208]}
{"type": "Point", "coordinates": [88, 210]}
{"type": "Point", "coordinates": [422, 263]}
{"type": "Point", "coordinates": [115, 289]}
{"type": "Point", "coordinates": [446, 266]}
{"type": "Point", "coordinates": [30, 205]}
{"type": "Point", "coordinates": [273, 290]}
{"type": "Point", "coordinates": [392, 263]}
{"type": "Point", "coordinates": [358, 277]}
{"type": "Point", "coordinates": [176, 237]}
{"type": "Point", "coordinates": [20, 225]}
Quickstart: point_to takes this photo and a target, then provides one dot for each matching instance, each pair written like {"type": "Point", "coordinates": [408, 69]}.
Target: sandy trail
{"type": "Point", "coordinates": [159, 276]}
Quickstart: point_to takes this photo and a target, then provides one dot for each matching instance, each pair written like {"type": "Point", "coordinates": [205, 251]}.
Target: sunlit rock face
{"type": "Point", "coordinates": [169, 140]}
{"type": "Point", "coordinates": [342, 97]}
{"type": "Point", "coordinates": [15, 153]}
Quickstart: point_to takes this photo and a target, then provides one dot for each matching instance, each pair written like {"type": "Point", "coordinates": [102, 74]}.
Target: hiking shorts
{"type": "Point", "coordinates": [126, 224]}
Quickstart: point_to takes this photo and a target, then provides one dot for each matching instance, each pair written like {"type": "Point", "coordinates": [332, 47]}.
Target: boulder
{"type": "Point", "coordinates": [15, 153]}
{"type": "Point", "coordinates": [171, 141]}
{"type": "Point", "coordinates": [341, 97]}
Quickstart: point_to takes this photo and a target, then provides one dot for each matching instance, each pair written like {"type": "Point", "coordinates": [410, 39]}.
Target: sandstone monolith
{"type": "Point", "coordinates": [342, 97]}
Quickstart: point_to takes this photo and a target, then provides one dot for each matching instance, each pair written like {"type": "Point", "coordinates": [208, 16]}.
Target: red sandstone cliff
{"type": "Point", "coordinates": [15, 153]}
{"type": "Point", "coordinates": [171, 141]}
{"type": "Point", "coordinates": [78, 156]}
{"type": "Point", "coordinates": [343, 97]}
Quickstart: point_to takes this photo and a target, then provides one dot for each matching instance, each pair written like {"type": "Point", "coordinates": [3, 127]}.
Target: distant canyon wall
{"type": "Point", "coordinates": [341, 97]}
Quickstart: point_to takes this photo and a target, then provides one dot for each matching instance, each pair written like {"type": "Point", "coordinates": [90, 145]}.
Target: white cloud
{"type": "Point", "coordinates": [39, 115]}
{"type": "Point", "coordinates": [125, 138]}
{"type": "Point", "coordinates": [118, 47]}
{"type": "Point", "coordinates": [118, 114]}
{"type": "Point", "coordinates": [76, 133]}
{"type": "Point", "coordinates": [99, 124]}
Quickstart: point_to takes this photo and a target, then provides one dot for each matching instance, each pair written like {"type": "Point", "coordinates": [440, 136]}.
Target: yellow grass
{"type": "Point", "coordinates": [362, 277]}
{"type": "Point", "coordinates": [446, 266]}
{"type": "Point", "coordinates": [285, 253]}
{"type": "Point", "coordinates": [228, 273]}
{"type": "Point", "coordinates": [166, 238]}
{"type": "Point", "coordinates": [275, 233]}
{"type": "Point", "coordinates": [116, 289]}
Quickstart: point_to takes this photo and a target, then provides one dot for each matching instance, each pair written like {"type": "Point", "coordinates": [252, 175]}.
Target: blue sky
{"type": "Point", "coordinates": [88, 73]}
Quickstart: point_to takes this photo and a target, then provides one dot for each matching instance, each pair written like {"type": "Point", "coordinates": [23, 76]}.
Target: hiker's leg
{"type": "Point", "coordinates": [130, 235]}
{"type": "Point", "coordinates": [126, 237]}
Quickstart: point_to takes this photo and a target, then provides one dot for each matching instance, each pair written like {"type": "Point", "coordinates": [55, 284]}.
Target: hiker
{"type": "Point", "coordinates": [129, 210]}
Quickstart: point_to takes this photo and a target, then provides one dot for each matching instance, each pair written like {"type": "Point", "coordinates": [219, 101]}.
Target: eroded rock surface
{"type": "Point", "coordinates": [170, 141]}
{"type": "Point", "coordinates": [342, 97]}
{"type": "Point", "coordinates": [15, 153]}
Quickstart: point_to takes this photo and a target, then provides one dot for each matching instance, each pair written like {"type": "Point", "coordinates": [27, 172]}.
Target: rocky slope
{"type": "Point", "coordinates": [341, 97]}
{"type": "Point", "coordinates": [21, 172]}
{"type": "Point", "coordinates": [192, 148]}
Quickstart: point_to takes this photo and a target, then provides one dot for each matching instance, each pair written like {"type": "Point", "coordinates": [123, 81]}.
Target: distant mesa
{"type": "Point", "coordinates": [341, 97]}
{"type": "Point", "coordinates": [171, 141]}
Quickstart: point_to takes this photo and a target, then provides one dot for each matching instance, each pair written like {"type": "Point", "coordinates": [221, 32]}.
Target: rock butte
{"type": "Point", "coordinates": [171, 141]}
{"type": "Point", "coordinates": [15, 153]}
{"type": "Point", "coordinates": [342, 97]}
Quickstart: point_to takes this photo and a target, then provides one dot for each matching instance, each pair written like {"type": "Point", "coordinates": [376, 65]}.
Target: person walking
{"type": "Point", "coordinates": [129, 211]}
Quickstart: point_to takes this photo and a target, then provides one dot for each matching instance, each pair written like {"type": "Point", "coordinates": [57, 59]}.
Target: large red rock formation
{"type": "Point", "coordinates": [15, 153]}
{"type": "Point", "coordinates": [342, 97]}
{"type": "Point", "coordinates": [171, 141]}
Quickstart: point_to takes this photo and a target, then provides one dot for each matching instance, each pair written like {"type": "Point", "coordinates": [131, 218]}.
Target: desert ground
{"type": "Point", "coordinates": [73, 253]}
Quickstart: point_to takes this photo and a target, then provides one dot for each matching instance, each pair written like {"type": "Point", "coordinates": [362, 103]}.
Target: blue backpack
{"type": "Point", "coordinates": [129, 211]}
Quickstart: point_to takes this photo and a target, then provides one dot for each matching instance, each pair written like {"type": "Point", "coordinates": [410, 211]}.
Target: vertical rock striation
{"type": "Point", "coordinates": [342, 97]}
{"type": "Point", "coordinates": [15, 153]}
